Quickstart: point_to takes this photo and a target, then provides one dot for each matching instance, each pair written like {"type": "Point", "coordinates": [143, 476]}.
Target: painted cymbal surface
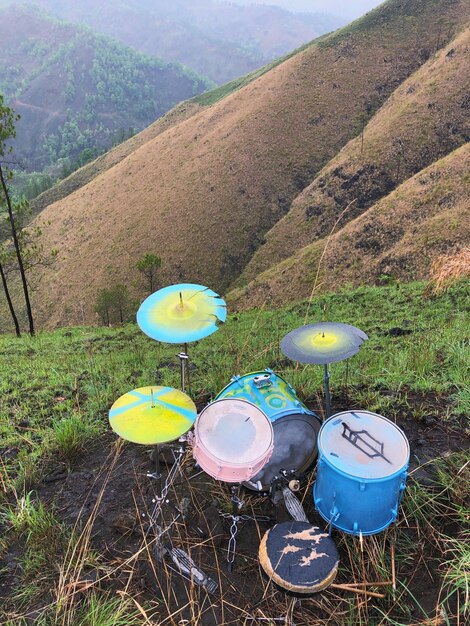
{"type": "Point", "coordinates": [322, 343]}
{"type": "Point", "coordinates": [299, 557]}
{"type": "Point", "coordinates": [152, 415]}
{"type": "Point", "coordinates": [181, 313]}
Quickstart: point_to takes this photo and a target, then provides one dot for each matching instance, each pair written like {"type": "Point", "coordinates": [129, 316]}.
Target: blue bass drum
{"type": "Point", "coordinates": [295, 427]}
{"type": "Point", "coordinates": [362, 468]}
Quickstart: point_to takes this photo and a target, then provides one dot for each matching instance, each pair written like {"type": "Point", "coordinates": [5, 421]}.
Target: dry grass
{"type": "Point", "coordinates": [447, 269]}
{"type": "Point", "coordinates": [407, 134]}
{"type": "Point", "coordinates": [396, 239]}
{"type": "Point", "coordinates": [103, 163]}
{"type": "Point", "coordinates": [374, 580]}
{"type": "Point", "coordinates": [202, 194]}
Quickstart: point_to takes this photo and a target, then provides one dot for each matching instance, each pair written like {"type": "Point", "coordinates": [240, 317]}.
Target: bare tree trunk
{"type": "Point", "coordinates": [10, 303]}
{"type": "Point", "coordinates": [18, 253]}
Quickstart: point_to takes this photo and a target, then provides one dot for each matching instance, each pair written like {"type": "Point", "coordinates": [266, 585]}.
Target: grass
{"type": "Point", "coordinates": [55, 393]}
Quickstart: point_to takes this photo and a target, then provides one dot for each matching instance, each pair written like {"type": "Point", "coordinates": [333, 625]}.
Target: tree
{"type": "Point", "coordinates": [149, 266]}
{"type": "Point", "coordinates": [114, 300]}
{"type": "Point", "coordinates": [120, 300]}
{"type": "Point", "coordinates": [103, 305]}
{"type": "Point", "coordinates": [7, 132]}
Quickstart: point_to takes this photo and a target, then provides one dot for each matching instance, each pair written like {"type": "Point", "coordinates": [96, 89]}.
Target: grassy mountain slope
{"type": "Point", "coordinates": [75, 90]}
{"type": "Point", "coordinates": [181, 112]}
{"type": "Point", "coordinates": [426, 118]}
{"type": "Point", "coordinates": [106, 161]}
{"type": "Point", "coordinates": [203, 193]}
{"type": "Point", "coordinates": [397, 238]}
{"type": "Point", "coordinates": [217, 39]}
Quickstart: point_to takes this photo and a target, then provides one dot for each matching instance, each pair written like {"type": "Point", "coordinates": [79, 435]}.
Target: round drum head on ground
{"type": "Point", "coordinates": [299, 557]}
{"type": "Point", "coordinates": [152, 415]}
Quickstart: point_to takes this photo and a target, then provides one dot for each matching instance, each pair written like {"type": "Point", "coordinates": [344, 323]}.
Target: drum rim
{"type": "Point", "coordinates": [301, 471]}
{"type": "Point", "coordinates": [199, 443]}
{"type": "Point", "coordinates": [322, 456]}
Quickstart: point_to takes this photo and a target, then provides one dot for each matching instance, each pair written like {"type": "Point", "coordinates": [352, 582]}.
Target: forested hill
{"type": "Point", "coordinates": [218, 39]}
{"type": "Point", "coordinates": [78, 92]}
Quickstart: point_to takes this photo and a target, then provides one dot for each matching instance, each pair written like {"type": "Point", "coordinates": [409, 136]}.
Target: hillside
{"type": "Point", "coordinates": [395, 240]}
{"type": "Point", "coordinates": [98, 166]}
{"type": "Point", "coordinates": [210, 187]}
{"type": "Point", "coordinates": [77, 91]}
{"type": "Point", "coordinates": [426, 118]}
{"type": "Point", "coordinates": [216, 39]}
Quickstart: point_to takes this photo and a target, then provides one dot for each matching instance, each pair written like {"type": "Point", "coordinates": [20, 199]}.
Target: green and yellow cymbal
{"type": "Point", "coordinates": [152, 415]}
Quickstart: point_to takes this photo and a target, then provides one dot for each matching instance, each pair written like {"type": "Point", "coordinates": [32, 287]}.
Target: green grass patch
{"type": "Point", "coordinates": [56, 388]}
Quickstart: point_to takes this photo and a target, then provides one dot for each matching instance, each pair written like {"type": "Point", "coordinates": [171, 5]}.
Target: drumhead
{"type": "Point", "coordinates": [295, 447]}
{"type": "Point", "coordinates": [232, 438]}
{"type": "Point", "coordinates": [363, 445]}
{"type": "Point", "coordinates": [299, 557]}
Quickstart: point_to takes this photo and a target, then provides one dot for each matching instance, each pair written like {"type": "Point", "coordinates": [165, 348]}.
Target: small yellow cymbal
{"type": "Point", "coordinates": [152, 415]}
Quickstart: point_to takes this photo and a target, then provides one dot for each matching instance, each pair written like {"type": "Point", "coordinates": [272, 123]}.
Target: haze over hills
{"type": "Point", "coordinates": [216, 39]}
{"type": "Point", "coordinates": [203, 193]}
{"type": "Point", "coordinates": [77, 91]}
{"type": "Point", "coordinates": [346, 9]}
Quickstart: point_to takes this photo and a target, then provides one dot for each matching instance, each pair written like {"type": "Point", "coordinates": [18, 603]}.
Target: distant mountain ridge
{"type": "Point", "coordinates": [220, 40]}
{"type": "Point", "coordinates": [78, 91]}
{"type": "Point", "coordinates": [370, 121]}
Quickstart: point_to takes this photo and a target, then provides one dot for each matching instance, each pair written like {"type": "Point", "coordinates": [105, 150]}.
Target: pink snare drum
{"type": "Point", "coordinates": [233, 440]}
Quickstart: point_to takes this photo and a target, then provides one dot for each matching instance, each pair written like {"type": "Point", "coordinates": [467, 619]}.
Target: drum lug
{"type": "Point", "coordinates": [362, 486]}
{"type": "Point", "coordinates": [262, 380]}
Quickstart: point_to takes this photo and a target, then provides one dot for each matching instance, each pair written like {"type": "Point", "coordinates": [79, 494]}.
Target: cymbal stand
{"type": "Point", "coordinates": [326, 378]}
{"type": "Point", "coordinates": [161, 497]}
{"type": "Point", "coordinates": [184, 367]}
{"type": "Point", "coordinates": [185, 566]}
{"type": "Point", "coordinates": [236, 518]}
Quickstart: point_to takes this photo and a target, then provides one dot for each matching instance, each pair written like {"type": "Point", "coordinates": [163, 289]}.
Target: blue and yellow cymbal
{"type": "Point", "coordinates": [322, 343]}
{"type": "Point", "coordinates": [181, 313]}
{"type": "Point", "coordinates": [152, 415]}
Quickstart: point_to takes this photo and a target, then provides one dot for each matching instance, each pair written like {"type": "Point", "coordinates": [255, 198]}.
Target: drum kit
{"type": "Point", "coordinates": [256, 434]}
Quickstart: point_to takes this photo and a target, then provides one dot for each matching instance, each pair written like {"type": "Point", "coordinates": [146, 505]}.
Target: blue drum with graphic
{"type": "Point", "coordinates": [295, 426]}
{"type": "Point", "coordinates": [362, 468]}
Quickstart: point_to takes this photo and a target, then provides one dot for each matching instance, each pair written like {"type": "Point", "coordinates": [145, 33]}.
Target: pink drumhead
{"type": "Point", "coordinates": [233, 440]}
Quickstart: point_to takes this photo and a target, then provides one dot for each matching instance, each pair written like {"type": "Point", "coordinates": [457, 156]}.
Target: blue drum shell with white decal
{"type": "Point", "coordinates": [362, 468]}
